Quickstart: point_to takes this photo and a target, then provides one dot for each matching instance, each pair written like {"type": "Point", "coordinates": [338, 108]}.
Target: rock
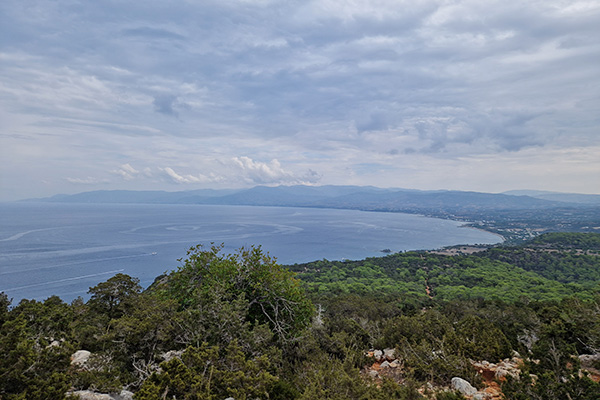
{"type": "Point", "coordinates": [389, 354]}
{"type": "Point", "coordinates": [385, 364]}
{"type": "Point", "coordinates": [373, 373]}
{"type": "Point", "coordinates": [171, 354]}
{"type": "Point", "coordinates": [588, 360]}
{"type": "Point", "coordinates": [89, 395]}
{"type": "Point", "coordinates": [378, 354]}
{"type": "Point", "coordinates": [80, 357]}
{"type": "Point", "coordinates": [463, 386]}
{"type": "Point", "coordinates": [124, 395]}
{"type": "Point", "coordinates": [481, 396]}
{"type": "Point", "coordinates": [55, 343]}
{"type": "Point", "coordinates": [394, 364]}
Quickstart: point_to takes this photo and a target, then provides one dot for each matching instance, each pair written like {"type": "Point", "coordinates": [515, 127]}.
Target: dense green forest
{"type": "Point", "coordinates": [241, 326]}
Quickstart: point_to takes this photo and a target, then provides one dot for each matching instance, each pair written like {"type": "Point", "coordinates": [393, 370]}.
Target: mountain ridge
{"type": "Point", "coordinates": [330, 196]}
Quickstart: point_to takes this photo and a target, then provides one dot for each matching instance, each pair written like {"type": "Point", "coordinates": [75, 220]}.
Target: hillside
{"type": "Point", "coordinates": [551, 267]}
{"type": "Point", "coordinates": [507, 322]}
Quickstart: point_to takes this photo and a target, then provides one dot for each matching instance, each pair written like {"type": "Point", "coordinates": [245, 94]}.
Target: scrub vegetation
{"type": "Point", "coordinates": [242, 326]}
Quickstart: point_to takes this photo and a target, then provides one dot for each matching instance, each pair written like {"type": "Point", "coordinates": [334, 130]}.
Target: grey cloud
{"type": "Point", "coordinates": [432, 78]}
{"type": "Point", "coordinates": [163, 104]}
{"type": "Point", "coordinates": [152, 33]}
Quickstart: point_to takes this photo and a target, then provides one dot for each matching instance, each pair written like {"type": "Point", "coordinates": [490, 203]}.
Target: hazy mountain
{"type": "Point", "coordinates": [590, 199]}
{"type": "Point", "coordinates": [359, 197]}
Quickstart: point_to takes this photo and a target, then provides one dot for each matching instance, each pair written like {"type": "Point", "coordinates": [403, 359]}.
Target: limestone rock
{"type": "Point", "coordinates": [373, 373]}
{"type": "Point", "coordinates": [80, 357]}
{"type": "Point", "coordinates": [89, 395]}
{"type": "Point", "coordinates": [124, 395]}
{"type": "Point", "coordinates": [389, 354]}
{"type": "Point", "coordinates": [169, 355]}
{"type": "Point", "coordinates": [463, 386]}
{"type": "Point", "coordinates": [587, 360]}
{"type": "Point", "coordinates": [378, 355]}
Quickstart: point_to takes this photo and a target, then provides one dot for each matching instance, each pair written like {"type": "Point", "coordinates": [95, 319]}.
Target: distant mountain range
{"type": "Point", "coordinates": [592, 199]}
{"type": "Point", "coordinates": [352, 197]}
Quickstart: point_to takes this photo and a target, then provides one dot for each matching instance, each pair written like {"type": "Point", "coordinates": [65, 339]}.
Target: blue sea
{"type": "Point", "coordinates": [63, 249]}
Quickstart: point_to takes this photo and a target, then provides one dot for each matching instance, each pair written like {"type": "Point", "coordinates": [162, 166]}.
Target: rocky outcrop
{"type": "Point", "coordinates": [386, 364]}
{"type": "Point", "coordinates": [590, 364]}
{"type": "Point", "coordinates": [80, 358]}
{"type": "Point", "coordinates": [171, 354]}
{"type": "Point", "coordinates": [500, 371]}
{"type": "Point", "coordinates": [463, 386]}
{"type": "Point", "coordinates": [89, 395]}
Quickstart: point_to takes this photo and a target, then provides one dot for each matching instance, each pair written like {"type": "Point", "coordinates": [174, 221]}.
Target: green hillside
{"type": "Point", "coordinates": [241, 326]}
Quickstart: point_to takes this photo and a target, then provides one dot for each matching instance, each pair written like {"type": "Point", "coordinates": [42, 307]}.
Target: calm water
{"type": "Point", "coordinates": [63, 249]}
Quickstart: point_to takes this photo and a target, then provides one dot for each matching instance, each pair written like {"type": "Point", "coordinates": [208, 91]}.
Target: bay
{"type": "Point", "coordinates": [63, 249]}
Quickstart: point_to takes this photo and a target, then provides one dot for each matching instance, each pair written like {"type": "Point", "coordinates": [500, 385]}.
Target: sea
{"type": "Point", "coordinates": [64, 249]}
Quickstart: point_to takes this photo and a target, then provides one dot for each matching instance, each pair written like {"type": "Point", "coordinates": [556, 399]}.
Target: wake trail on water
{"type": "Point", "coordinates": [62, 280]}
{"type": "Point", "coordinates": [21, 234]}
{"type": "Point", "coordinates": [75, 263]}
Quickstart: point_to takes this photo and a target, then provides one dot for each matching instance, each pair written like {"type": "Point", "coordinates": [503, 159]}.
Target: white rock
{"type": "Point", "coordinates": [171, 354]}
{"type": "Point", "coordinates": [124, 395]}
{"type": "Point", "coordinates": [80, 357]}
{"type": "Point", "coordinates": [89, 395]}
{"type": "Point", "coordinates": [373, 373]}
{"type": "Point", "coordinates": [463, 386]}
{"type": "Point", "coordinates": [389, 354]}
{"type": "Point", "coordinates": [587, 360]}
{"type": "Point", "coordinates": [378, 354]}
{"type": "Point", "coordinates": [385, 364]}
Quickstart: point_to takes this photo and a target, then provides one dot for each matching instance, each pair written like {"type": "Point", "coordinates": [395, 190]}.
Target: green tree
{"type": "Point", "coordinates": [273, 295]}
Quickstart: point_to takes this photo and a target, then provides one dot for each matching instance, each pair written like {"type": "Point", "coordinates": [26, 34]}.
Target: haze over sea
{"type": "Point", "coordinates": [63, 249]}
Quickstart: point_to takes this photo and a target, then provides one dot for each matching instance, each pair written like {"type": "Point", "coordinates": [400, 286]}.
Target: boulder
{"type": "Point", "coordinates": [389, 354]}
{"type": "Point", "coordinates": [373, 373]}
{"type": "Point", "coordinates": [171, 354]}
{"type": "Point", "coordinates": [481, 396]}
{"type": "Point", "coordinates": [80, 357]}
{"type": "Point", "coordinates": [385, 364]}
{"type": "Point", "coordinates": [588, 360]}
{"type": "Point", "coordinates": [463, 386]}
{"type": "Point", "coordinates": [378, 355]}
{"type": "Point", "coordinates": [124, 395]}
{"type": "Point", "coordinates": [89, 395]}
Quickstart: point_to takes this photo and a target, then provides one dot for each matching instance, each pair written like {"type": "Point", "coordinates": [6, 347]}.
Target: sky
{"type": "Point", "coordinates": [179, 95]}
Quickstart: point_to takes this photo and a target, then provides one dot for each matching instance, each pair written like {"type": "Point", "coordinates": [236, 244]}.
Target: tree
{"type": "Point", "coordinates": [114, 296]}
{"type": "Point", "coordinates": [272, 294]}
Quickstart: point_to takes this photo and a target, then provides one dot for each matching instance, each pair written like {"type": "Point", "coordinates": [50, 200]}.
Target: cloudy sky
{"type": "Point", "coordinates": [175, 95]}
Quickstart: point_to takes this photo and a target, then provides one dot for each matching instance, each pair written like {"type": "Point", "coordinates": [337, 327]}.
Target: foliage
{"type": "Point", "coordinates": [242, 326]}
{"type": "Point", "coordinates": [205, 374]}
{"type": "Point", "coordinates": [272, 293]}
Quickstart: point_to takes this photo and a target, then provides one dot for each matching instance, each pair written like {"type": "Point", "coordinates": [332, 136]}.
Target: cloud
{"type": "Point", "coordinates": [152, 33]}
{"type": "Point", "coordinates": [257, 172]}
{"type": "Point", "coordinates": [164, 104]}
{"type": "Point", "coordinates": [87, 181]}
{"type": "Point", "coordinates": [127, 172]}
{"type": "Point", "coordinates": [332, 85]}
{"type": "Point", "coordinates": [188, 178]}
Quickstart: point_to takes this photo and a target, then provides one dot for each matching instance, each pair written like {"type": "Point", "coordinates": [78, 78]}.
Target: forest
{"type": "Point", "coordinates": [512, 322]}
